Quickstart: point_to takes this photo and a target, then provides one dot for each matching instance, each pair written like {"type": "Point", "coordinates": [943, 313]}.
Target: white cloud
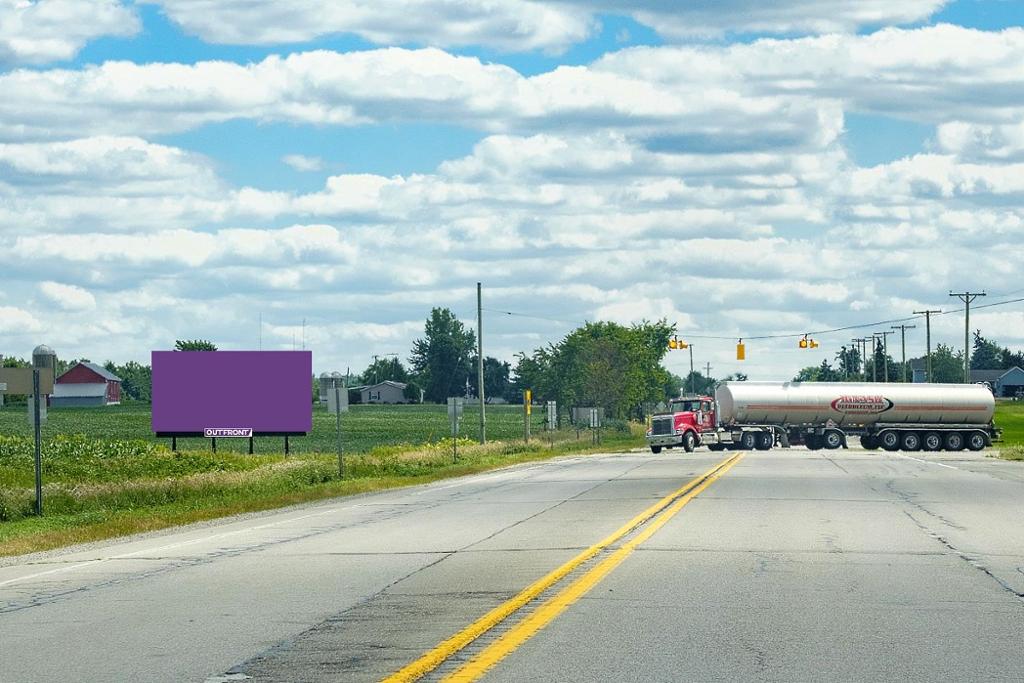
{"type": "Point", "coordinates": [508, 25]}
{"type": "Point", "coordinates": [40, 31]}
{"type": "Point", "coordinates": [303, 163]}
{"type": "Point", "coordinates": [17, 321]}
{"type": "Point", "coordinates": [68, 297]}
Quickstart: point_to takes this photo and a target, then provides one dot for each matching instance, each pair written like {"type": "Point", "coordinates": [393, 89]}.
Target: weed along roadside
{"type": "Point", "coordinates": [96, 489]}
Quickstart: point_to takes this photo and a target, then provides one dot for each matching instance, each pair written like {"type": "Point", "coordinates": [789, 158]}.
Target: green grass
{"type": "Point", "coordinates": [363, 427]}
{"type": "Point", "coordinates": [104, 475]}
{"type": "Point", "coordinates": [1010, 418]}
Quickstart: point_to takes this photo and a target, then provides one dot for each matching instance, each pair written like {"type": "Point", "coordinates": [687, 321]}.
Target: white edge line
{"type": "Point", "coordinates": [928, 462]}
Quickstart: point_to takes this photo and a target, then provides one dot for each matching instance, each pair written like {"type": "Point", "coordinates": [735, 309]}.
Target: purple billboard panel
{"type": "Point", "coordinates": [232, 393]}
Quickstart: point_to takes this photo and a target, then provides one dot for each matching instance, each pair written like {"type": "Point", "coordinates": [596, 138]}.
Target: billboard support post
{"type": "Point", "coordinates": [286, 449]}
{"type": "Point", "coordinates": [250, 445]}
{"type": "Point", "coordinates": [337, 404]}
{"type": "Point", "coordinates": [38, 439]}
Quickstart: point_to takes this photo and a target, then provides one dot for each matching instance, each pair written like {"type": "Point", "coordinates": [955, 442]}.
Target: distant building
{"type": "Point", "coordinates": [86, 384]}
{"type": "Point", "coordinates": [1003, 383]}
{"type": "Point", "coordinates": [919, 369]}
{"type": "Point", "coordinates": [383, 392]}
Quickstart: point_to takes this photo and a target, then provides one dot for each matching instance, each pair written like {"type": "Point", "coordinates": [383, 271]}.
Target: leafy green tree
{"type": "Point", "coordinates": [496, 378]}
{"type": "Point", "coordinates": [986, 355]}
{"type": "Point", "coordinates": [136, 380]}
{"type": "Point", "coordinates": [849, 363]}
{"type": "Point", "coordinates": [441, 359]}
{"type": "Point", "coordinates": [384, 369]}
{"type": "Point", "coordinates": [194, 345]}
{"type": "Point", "coordinates": [947, 365]}
{"type": "Point", "coordinates": [808, 374]}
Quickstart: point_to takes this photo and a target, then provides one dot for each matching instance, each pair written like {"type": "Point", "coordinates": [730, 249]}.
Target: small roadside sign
{"type": "Point", "coordinates": [552, 422]}
{"type": "Point", "coordinates": [19, 381]}
{"type": "Point", "coordinates": [337, 400]}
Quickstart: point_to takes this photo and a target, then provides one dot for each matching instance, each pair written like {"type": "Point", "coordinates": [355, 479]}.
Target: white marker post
{"type": "Point", "coordinates": [338, 404]}
{"type": "Point", "coordinates": [455, 414]}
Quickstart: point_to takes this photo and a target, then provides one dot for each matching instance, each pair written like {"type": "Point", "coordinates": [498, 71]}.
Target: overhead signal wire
{"type": "Point", "coordinates": [786, 335]}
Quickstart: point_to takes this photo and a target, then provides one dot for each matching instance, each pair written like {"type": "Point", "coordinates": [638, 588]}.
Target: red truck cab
{"type": "Point", "coordinates": [683, 424]}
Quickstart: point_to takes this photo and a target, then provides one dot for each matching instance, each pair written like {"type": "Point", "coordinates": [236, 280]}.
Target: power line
{"type": "Point", "coordinates": [785, 335]}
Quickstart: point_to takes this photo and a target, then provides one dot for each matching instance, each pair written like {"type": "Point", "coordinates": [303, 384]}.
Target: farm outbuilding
{"type": "Point", "coordinates": [86, 384]}
{"type": "Point", "coordinates": [1003, 383]}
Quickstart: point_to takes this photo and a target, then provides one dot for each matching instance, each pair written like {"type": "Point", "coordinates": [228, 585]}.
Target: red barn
{"type": "Point", "coordinates": [86, 384]}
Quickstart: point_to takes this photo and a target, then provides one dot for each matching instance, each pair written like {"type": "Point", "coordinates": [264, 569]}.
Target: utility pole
{"type": "Point", "coordinates": [693, 379]}
{"type": "Point", "coordinates": [903, 338]}
{"type": "Point", "coordinates": [860, 342]}
{"type": "Point", "coordinates": [707, 375]}
{"type": "Point", "coordinates": [928, 341]}
{"type": "Point", "coordinates": [874, 360]}
{"type": "Point", "coordinates": [480, 360]}
{"type": "Point", "coordinates": [967, 298]}
{"type": "Point", "coordinates": [885, 351]}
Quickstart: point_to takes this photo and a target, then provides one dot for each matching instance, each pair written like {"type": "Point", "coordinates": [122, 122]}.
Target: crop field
{"type": "Point", "coordinates": [362, 428]}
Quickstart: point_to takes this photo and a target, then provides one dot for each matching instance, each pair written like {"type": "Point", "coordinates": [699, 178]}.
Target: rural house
{"type": "Point", "coordinates": [383, 392]}
{"type": "Point", "coordinates": [86, 384]}
{"type": "Point", "coordinates": [1003, 383]}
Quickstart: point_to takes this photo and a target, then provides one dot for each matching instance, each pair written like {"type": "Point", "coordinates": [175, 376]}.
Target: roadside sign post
{"type": "Point", "coordinates": [527, 401]}
{"type": "Point", "coordinates": [337, 415]}
{"type": "Point", "coordinates": [37, 429]}
{"type": "Point", "coordinates": [595, 425]}
{"type": "Point", "coordinates": [552, 421]}
{"type": "Point", "coordinates": [455, 415]}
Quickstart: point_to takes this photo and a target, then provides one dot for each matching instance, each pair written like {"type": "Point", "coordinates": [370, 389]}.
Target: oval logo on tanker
{"type": "Point", "coordinates": [861, 405]}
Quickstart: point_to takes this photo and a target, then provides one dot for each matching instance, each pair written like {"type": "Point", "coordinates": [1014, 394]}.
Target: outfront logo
{"type": "Point", "coordinates": [861, 405]}
{"type": "Point", "coordinates": [227, 432]}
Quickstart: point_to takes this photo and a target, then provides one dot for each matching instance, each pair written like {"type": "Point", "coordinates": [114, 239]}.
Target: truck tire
{"type": "Point", "coordinates": [748, 441]}
{"type": "Point", "coordinates": [716, 447]}
{"type": "Point", "coordinates": [932, 441]}
{"type": "Point", "coordinates": [954, 441]}
{"type": "Point", "coordinates": [655, 449]}
{"type": "Point", "coordinates": [976, 441]}
{"type": "Point", "coordinates": [832, 439]}
{"type": "Point", "coordinates": [813, 442]}
{"type": "Point", "coordinates": [868, 442]}
{"type": "Point", "coordinates": [689, 442]}
{"type": "Point", "coordinates": [910, 441]}
{"type": "Point", "coordinates": [765, 441]}
{"type": "Point", "coordinates": [890, 440]}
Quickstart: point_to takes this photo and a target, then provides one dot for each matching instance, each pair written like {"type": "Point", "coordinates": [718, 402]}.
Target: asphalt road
{"type": "Point", "coordinates": [784, 566]}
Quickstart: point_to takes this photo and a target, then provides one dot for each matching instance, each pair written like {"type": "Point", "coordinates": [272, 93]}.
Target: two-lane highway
{"type": "Point", "coordinates": [781, 565]}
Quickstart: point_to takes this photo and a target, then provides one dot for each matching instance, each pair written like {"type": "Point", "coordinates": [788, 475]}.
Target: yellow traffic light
{"type": "Point", "coordinates": [803, 343]}
{"type": "Point", "coordinates": [683, 345]}
{"type": "Point", "coordinates": [814, 344]}
{"type": "Point", "coordinates": [673, 343]}
{"type": "Point", "coordinates": [741, 350]}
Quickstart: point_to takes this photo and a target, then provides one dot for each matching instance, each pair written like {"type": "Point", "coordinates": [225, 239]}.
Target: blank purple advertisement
{"type": "Point", "coordinates": [227, 393]}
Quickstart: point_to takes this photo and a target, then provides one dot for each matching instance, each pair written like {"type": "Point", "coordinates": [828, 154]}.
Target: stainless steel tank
{"type": "Point", "coordinates": [852, 403]}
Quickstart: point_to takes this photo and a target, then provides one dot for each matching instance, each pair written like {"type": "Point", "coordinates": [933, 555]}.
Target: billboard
{"type": "Point", "coordinates": [232, 393]}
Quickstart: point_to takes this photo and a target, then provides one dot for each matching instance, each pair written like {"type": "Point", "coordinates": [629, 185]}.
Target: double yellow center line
{"type": "Point", "coordinates": [657, 515]}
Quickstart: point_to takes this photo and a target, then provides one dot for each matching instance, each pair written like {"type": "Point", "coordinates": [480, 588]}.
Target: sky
{"type": "Point", "coordinates": [319, 174]}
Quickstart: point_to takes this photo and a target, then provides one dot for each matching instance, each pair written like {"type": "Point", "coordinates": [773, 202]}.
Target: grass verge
{"type": "Point", "coordinates": [1011, 452]}
{"type": "Point", "coordinates": [91, 503]}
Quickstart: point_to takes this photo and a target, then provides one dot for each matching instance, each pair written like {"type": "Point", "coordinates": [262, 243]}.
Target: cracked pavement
{"type": "Point", "coordinates": [794, 565]}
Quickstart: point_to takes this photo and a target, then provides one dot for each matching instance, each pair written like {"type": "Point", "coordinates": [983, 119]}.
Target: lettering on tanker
{"type": "Point", "coordinates": [861, 405]}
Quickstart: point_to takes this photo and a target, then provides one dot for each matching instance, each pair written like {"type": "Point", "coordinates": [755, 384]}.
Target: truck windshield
{"type": "Point", "coordinates": [684, 406]}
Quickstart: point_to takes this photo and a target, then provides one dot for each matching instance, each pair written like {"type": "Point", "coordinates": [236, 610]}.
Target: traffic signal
{"type": "Point", "coordinates": [673, 343]}
{"type": "Point", "coordinates": [741, 350]}
{"type": "Point", "coordinates": [803, 343]}
{"type": "Point", "coordinates": [806, 343]}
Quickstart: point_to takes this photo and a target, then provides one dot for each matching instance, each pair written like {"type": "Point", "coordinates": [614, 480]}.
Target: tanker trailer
{"type": "Point", "coordinates": [906, 417]}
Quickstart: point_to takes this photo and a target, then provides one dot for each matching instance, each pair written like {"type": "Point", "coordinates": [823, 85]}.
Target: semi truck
{"type": "Point", "coordinates": [762, 415]}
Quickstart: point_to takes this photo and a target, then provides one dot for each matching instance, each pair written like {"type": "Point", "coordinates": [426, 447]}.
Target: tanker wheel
{"type": "Point", "coordinates": [976, 441]}
{"type": "Point", "coordinates": [911, 441]}
{"type": "Point", "coordinates": [868, 442]}
{"type": "Point", "coordinates": [832, 439]}
{"type": "Point", "coordinates": [890, 440]}
{"type": "Point", "coordinates": [748, 441]}
{"type": "Point", "coordinates": [765, 441]}
{"type": "Point", "coordinates": [689, 442]}
{"type": "Point", "coordinates": [954, 441]}
{"type": "Point", "coordinates": [655, 449]}
{"type": "Point", "coordinates": [932, 441]}
{"type": "Point", "coordinates": [813, 442]}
